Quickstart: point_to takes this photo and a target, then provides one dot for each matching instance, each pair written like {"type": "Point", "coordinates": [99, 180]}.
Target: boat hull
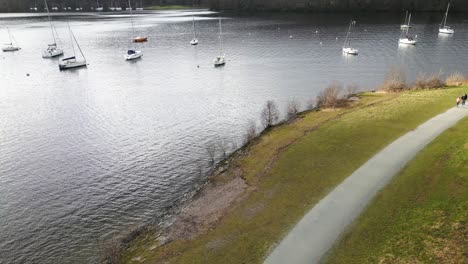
{"type": "Point", "coordinates": [134, 56]}
{"type": "Point", "coordinates": [52, 53]}
{"type": "Point", "coordinates": [407, 42]}
{"type": "Point", "coordinates": [446, 31]}
{"type": "Point", "coordinates": [10, 48]}
{"type": "Point", "coordinates": [140, 39]}
{"type": "Point", "coordinates": [72, 65]}
{"type": "Point", "coordinates": [350, 51]}
{"type": "Point", "coordinates": [219, 61]}
{"type": "Point", "coordinates": [194, 42]}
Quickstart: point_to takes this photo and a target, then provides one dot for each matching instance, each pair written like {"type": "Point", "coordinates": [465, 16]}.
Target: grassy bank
{"type": "Point", "coordinates": [421, 217]}
{"type": "Point", "coordinates": [290, 168]}
{"type": "Point", "coordinates": [168, 7]}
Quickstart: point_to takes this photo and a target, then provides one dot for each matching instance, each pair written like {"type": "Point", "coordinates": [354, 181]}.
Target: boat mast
{"type": "Point", "coordinates": [347, 34]}
{"type": "Point", "coordinates": [194, 31]}
{"type": "Point", "coordinates": [50, 22]}
{"type": "Point", "coordinates": [406, 17]}
{"type": "Point", "coordinates": [221, 36]}
{"type": "Point", "coordinates": [446, 15]}
{"type": "Point", "coordinates": [71, 39]}
{"type": "Point", "coordinates": [9, 35]}
{"type": "Point", "coordinates": [409, 22]}
{"type": "Point", "coordinates": [78, 45]}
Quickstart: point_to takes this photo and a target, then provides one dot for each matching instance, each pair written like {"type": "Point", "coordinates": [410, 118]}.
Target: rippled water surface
{"type": "Point", "coordinates": [97, 151]}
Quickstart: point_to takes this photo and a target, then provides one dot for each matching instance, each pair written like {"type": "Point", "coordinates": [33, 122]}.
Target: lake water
{"type": "Point", "coordinates": [94, 152]}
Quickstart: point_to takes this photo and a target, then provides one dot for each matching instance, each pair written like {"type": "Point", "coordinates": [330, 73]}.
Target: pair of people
{"type": "Point", "coordinates": [462, 99]}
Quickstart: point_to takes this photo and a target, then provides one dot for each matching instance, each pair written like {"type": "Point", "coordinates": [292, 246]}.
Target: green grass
{"type": "Point", "coordinates": [291, 168]}
{"type": "Point", "coordinates": [168, 7]}
{"type": "Point", "coordinates": [421, 216]}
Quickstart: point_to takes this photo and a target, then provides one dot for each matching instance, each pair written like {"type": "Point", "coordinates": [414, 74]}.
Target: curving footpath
{"type": "Point", "coordinates": [316, 233]}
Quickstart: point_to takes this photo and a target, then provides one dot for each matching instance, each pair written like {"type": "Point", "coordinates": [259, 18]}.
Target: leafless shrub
{"type": "Point", "coordinates": [223, 146]}
{"type": "Point", "coordinates": [111, 252]}
{"type": "Point", "coordinates": [455, 79]}
{"type": "Point", "coordinates": [395, 81]}
{"type": "Point", "coordinates": [270, 114]}
{"type": "Point", "coordinates": [211, 151]}
{"type": "Point", "coordinates": [352, 90]}
{"type": "Point", "coordinates": [311, 104]}
{"type": "Point", "coordinates": [428, 82]}
{"type": "Point", "coordinates": [293, 109]}
{"type": "Point", "coordinates": [330, 97]}
{"type": "Point", "coordinates": [251, 132]}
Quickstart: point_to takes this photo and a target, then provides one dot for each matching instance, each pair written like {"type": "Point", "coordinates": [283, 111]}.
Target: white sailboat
{"type": "Point", "coordinates": [13, 45]}
{"type": "Point", "coordinates": [405, 37]}
{"type": "Point", "coordinates": [220, 60]}
{"type": "Point", "coordinates": [444, 29]}
{"type": "Point", "coordinates": [132, 54]}
{"type": "Point", "coordinates": [405, 25]}
{"type": "Point", "coordinates": [98, 7]}
{"type": "Point", "coordinates": [194, 41]}
{"type": "Point", "coordinates": [52, 49]}
{"type": "Point", "coordinates": [73, 62]}
{"type": "Point", "coordinates": [347, 49]}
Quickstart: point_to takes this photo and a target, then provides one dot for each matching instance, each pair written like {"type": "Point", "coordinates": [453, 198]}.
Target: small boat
{"type": "Point", "coordinates": [220, 60]}
{"type": "Point", "coordinates": [132, 54]}
{"type": "Point", "coordinates": [13, 45]}
{"type": "Point", "coordinates": [347, 49]}
{"type": "Point", "coordinates": [444, 29]}
{"type": "Point", "coordinates": [194, 41]}
{"type": "Point", "coordinates": [405, 25]}
{"type": "Point", "coordinates": [140, 39]}
{"type": "Point", "coordinates": [139, 9]}
{"type": "Point", "coordinates": [98, 7]}
{"type": "Point", "coordinates": [118, 9]}
{"type": "Point", "coordinates": [405, 37]}
{"type": "Point", "coordinates": [73, 62]}
{"type": "Point", "coordinates": [52, 49]}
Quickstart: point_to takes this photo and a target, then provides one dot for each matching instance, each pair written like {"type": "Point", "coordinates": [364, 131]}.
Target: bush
{"type": "Point", "coordinates": [455, 79]}
{"type": "Point", "coordinates": [270, 114]}
{"type": "Point", "coordinates": [330, 97]}
{"type": "Point", "coordinates": [395, 81]}
{"type": "Point", "coordinates": [111, 252]}
{"type": "Point", "coordinates": [428, 82]}
{"type": "Point", "coordinates": [251, 132]}
{"type": "Point", "coordinates": [352, 90]}
{"type": "Point", "coordinates": [293, 110]}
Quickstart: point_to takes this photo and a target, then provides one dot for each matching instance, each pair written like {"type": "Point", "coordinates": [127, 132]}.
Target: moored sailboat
{"type": "Point", "coordinates": [52, 49]}
{"type": "Point", "coordinates": [220, 60]}
{"type": "Point", "coordinates": [347, 49]}
{"type": "Point", "coordinates": [132, 54]}
{"type": "Point", "coordinates": [73, 62]}
{"type": "Point", "coordinates": [13, 45]}
{"type": "Point", "coordinates": [194, 41]}
{"type": "Point", "coordinates": [405, 24]}
{"type": "Point", "coordinates": [405, 37]}
{"type": "Point", "coordinates": [444, 29]}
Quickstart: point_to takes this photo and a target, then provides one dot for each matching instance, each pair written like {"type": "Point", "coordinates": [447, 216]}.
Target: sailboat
{"type": "Point", "coordinates": [11, 46]}
{"type": "Point", "coordinates": [405, 25]}
{"type": "Point", "coordinates": [405, 37]}
{"type": "Point", "coordinates": [98, 7]}
{"type": "Point", "coordinates": [141, 6]}
{"type": "Point", "coordinates": [220, 60]}
{"type": "Point", "coordinates": [132, 54]}
{"type": "Point", "coordinates": [444, 29]}
{"type": "Point", "coordinates": [347, 49]}
{"type": "Point", "coordinates": [73, 62]}
{"type": "Point", "coordinates": [52, 49]}
{"type": "Point", "coordinates": [194, 41]}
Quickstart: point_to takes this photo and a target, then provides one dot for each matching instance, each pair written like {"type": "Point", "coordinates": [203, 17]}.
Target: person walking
{"type": "Point", "coordinates": [464, 98]}
{"type": "Point", "coordinates": [458, 101]}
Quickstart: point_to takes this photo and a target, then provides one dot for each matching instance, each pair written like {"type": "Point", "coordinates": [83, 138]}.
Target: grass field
{"type": "Point", "coordinates": [291, 167]}
{"type": "Point", "coordinates": [421, 217]}
{"type": "Point", "coordinates": [168, 7]}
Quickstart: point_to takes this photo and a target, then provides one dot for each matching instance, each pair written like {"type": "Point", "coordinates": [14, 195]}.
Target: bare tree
{"type": "Point", "coordinates": [270, 114]}
{"type": "Point", "coordinates": [110, 251]}
{"type": "Point", "coordinates": [223, 146]}
{"type": "Point", "coordinates": [352, 90]}
{"type": "Point", "coordinates": [293, 109]}
{"type": "Point", "coordinates": [251, 132]}
{"type": "Point", "coordinates": [330, 97]}
{"type": "Point", "coordinates": [395, 81]}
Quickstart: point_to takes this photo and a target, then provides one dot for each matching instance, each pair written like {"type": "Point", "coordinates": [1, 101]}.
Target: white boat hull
{"type": "Point", "coordinates": [350, 51]}
{"type": "Point", "coordinates": [446, 31]}
{"type": "Point", "coordinates": [138, 54]}
{"type": "Point", "coordinates": [139, 9]}
{"type": "Point", "coordinates": [405, 26]}
{"type": "Point", "coordinates": [219, 61]}
{"type": "Point", "coordinates": [72, 65]}
{"type": "Point", "coordinates": [10, 48]}
{"type": "Point", "coordinates": [406, 41]}
{"type": "Point", "coordinates": [194, 42]}
{"type": "Point", "coordinates": [50, 53]}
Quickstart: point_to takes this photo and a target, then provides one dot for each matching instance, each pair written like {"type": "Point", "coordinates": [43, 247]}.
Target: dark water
{"type": "Point", "coordinates": [97, 151]}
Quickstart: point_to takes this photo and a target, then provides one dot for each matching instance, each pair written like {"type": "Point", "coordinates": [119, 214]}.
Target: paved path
{"type": "Point", "coordinates": [316, 233]}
